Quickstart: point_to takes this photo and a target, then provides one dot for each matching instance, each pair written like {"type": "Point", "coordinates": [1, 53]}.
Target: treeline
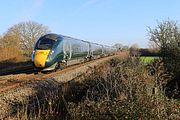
{"type": "Point", "coordinates": [148, 52]}
{"type": "Point", "coordinates": [152, 52]}
{"type": "Point", "coordinates": [136, 51]}
{"type": "Point", "coordinates": [17, 42]}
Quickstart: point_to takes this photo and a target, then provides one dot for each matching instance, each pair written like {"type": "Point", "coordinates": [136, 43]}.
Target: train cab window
{"type": "Point", "coordinates": [45, 44]}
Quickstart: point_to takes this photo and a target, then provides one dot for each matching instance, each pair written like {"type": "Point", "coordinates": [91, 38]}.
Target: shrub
{"type": "Point", "coordinates": [119, 89]}
{"type": "Point", "coordinates": [122, 90]}
{"type": "Point", "coordinates": [166, 35]}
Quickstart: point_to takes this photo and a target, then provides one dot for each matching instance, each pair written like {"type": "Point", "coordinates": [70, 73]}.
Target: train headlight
{"type": "Point", "coordinates": [51, 52]}
{"type": "Point", "coordinates": [50, 56]}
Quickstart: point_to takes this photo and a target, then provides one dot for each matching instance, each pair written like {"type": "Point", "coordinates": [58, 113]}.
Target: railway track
{"type": "Point", "coordinates": [14, 80]}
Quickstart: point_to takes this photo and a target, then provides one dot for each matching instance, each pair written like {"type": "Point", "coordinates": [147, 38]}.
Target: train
{"type": "Point", "coordinates": [53, 51]}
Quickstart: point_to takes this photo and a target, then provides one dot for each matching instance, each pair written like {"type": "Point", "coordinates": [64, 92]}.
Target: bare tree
{"type": "Point", "coordinates": [119, 46]}
{"type": "Point", "coordinates": [28, 33]}
{"type": "Point", "coordinates": [134, 49]}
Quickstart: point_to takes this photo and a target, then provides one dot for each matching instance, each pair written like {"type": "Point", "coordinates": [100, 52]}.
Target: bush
{"type": "Point", "coordinates": [166, 35]}
{"type": "Point", "coordinates": [123, 91]}
{"type": "Point", "coordinates": [119, 89]}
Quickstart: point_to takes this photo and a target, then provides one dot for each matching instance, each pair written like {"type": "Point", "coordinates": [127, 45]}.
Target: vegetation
{"type": "Point", "coordinates": [149, 52]}
{"type": "Point", "coordinates": [166, 36]}
{"type": "Point", "coordinates": [147, 59]}
{"type": "Point", "coordinates": [10, 48]}
{"type": "Point", "coordinates": [134, 50]}
{"type": "Point", "coordinates": [17, 43]}
{"type": "Point", "coordinates": [119, 89]}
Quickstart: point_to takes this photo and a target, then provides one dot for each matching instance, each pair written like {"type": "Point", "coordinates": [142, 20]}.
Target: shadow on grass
{"type": "Point", "coordinates": [10, 67]}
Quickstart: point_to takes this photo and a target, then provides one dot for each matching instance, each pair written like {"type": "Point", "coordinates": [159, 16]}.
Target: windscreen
{"type": "Point", "coordinates": [45, 44]}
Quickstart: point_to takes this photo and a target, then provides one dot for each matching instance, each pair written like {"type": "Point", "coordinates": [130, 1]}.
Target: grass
{"type": "Point", "coordinates": [147, 59]}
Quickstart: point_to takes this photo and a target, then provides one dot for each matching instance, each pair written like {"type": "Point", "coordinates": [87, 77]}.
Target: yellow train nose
{"type": "Point", "coordinates": [40, 58]}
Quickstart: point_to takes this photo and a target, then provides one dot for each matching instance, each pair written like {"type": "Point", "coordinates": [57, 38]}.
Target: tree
{"type": "Point", "coordinates": [10, 39]}
{"type": "Point", "coordinates": [119, 46]}
{"type": "Point", "coordinates": [10, 48]}
{"type": "Point", "coordinates": [1, 41]}
{"type": "Point", "coordinates": [28, 33]}
{"type": "Point", "coordinates": [134, 49]}
{"type": "Point", "coordinates": [125, 47]}
{"type": "Point", "coordinates": [166, 35]}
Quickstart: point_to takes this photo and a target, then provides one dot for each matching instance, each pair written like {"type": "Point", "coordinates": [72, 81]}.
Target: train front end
{"type": "Point", "coordinates": [44, 54]}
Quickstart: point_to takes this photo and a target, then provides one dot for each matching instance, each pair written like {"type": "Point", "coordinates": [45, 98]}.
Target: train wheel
{"type": "Point", "coordinates": [57, 66]}
{"type": "Point", "coordinates": [63, 65]}
{"type": "Point", "coordinates": [35, 71]}
{"type": "Point", "coordinates": [85, 60]}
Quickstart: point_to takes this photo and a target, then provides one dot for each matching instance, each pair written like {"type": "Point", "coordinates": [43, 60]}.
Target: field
{"type": "Point", "coordinates": [147, 59]}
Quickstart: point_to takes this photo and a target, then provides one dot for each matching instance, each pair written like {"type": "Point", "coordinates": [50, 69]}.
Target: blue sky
{"type": "Point", "coordinates": [101, 21]}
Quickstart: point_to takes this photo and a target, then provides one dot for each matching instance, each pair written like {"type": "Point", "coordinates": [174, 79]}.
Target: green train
{"type": "Point", "coordinates": [52, 51]}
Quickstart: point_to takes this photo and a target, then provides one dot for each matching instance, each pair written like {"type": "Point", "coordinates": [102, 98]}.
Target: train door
{"type": "Point", "coordinates": [67, 49]}
{"type": "Point", "coordinates": [90, 50]}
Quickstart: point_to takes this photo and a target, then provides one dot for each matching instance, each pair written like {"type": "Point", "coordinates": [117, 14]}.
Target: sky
{"type": "Point", "coordinates": [101, 21]}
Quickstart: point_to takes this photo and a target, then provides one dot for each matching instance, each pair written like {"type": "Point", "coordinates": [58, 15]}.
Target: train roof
{"type": "Point", "coordinates": [54, 36]}
{"type": "Point", "coordinates": [74, 38]}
